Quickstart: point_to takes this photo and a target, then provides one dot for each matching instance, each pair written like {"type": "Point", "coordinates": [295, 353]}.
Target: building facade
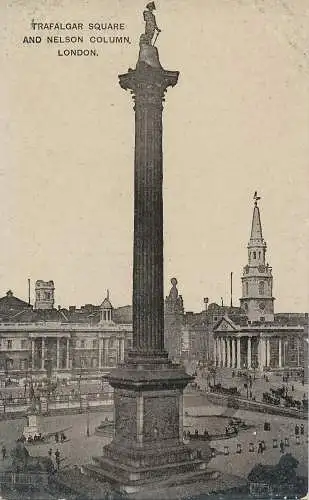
{"type": "Point", "coordinates": [38, 341]}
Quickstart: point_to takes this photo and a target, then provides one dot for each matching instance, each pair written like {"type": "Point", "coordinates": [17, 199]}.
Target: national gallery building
{"type": "Point", "coordinates": [40, 339]}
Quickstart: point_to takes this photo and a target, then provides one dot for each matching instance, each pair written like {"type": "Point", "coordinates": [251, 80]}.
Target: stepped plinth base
{"type": "Point", "coordinates": [148, 446]}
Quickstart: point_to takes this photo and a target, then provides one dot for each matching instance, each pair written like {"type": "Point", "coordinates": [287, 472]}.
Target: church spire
{"type": "Point", "coordinates": [256, 227]}
{"type": "Point", "coordinates": [257, 282]}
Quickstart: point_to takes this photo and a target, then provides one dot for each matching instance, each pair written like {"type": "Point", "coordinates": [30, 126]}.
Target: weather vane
{"type": "Point", "coordinates": [256, 197]}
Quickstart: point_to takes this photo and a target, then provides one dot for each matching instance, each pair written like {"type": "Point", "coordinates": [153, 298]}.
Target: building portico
{"type": "Point", "coordinates": [257, 347]}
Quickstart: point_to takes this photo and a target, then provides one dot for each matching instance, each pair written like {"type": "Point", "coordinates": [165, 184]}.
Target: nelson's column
{"type": "Point", "coordinates": [148, 445]}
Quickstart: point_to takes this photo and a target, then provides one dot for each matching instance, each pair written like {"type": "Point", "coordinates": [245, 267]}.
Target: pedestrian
{"type": "Point", "coordinates": [292, 388]}
{"type": "Point", "coordinates": [57, 455]}
{"type": "Point", "coordinates": [282, 446]}
{"type": "Point", "coordinates": [57, 437]}
{"type": "Point", "coordinates": [260, 448]}
{"type": "Point", "coordinates": [296, 430]}
{"type": "Point", "coordinates": [50, 452]}
{"type": "Point", "coordinates": [3, 452]}
{"type": "Point", "coordinates": [302, 429]}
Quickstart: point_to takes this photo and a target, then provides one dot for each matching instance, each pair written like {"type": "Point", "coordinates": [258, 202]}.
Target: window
{"type": "Point", "coordinates": [246, 289]}
{"type": "Point", "coordinates": [82, 344]}
{"type": "Point", "coordinates": [94, 344]}
{"type": "Point", "coordinates": [261, 288]}
{"type": "Point", "coordinates": [254, 255]}
{"type": "Point", "coordinates": [23, 344]}
{"type": "Point", "coordinates": [10, 344]}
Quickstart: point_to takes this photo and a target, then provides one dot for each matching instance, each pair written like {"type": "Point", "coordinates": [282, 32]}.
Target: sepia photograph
{"type": "Point", "coordinates": [154, 259]}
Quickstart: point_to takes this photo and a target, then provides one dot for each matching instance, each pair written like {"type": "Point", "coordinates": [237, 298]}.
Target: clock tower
{"type": "Point", "coordinates": [257, 299]}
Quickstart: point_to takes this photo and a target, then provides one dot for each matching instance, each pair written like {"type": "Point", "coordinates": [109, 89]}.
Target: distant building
{"type": "Point", "coordinates": [90, 340]}
{"type": "Point", "coordinates": [250, 336]}
{"type": "Point", "coordinates": [44, 294]}
{"type": "Point", "coordinates": [256, 337]}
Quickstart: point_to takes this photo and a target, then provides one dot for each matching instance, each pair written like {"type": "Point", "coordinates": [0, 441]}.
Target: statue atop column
{"type": "Point", "coordinates": [150, 25]}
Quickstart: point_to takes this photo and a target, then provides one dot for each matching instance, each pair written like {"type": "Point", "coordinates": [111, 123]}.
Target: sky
{"type": "Point", "coordinates": [236, 122]}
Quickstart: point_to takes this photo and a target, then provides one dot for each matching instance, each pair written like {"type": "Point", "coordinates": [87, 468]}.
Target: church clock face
{"type": "Point", "coordinates": [262, 306]}
{"type": "Point", "coordinates": [261, 269]}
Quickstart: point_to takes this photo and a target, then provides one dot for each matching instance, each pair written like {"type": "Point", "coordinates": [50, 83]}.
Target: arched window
{"type": "Point", "coordinates": [254, 254]}
{"type": "Point", "coordinates": [246, 289]}
{"type": "Point", "coordinates": [261, 287]}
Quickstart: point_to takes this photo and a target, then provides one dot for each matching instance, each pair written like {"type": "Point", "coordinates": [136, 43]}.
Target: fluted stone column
{"type": "Point", "coordinates": [238, 353]}
{"type": "Point", "coordinates": [148, 87]}
{"type": "Point", "coordinates": [219, 352]}
{"type": "Point", "coordinates": [68, 354]}
{"type": "Point", "coordinates": [249, 353]}
{"type": "Point", "coordinates": [223, 352]}
{"type": "Point", "coordinates": [43, 354]}
{"type": "Point", "coordinates": [233, 353]}
{"type": "Point", "coordinates": [267, 352]}
{"type": "Point", "coordinates": [100, 352]}
{"type": "Point", "coordinates": [58, 353]}
{"type": "Point", "coordinates": [32, 353]}
{"type": "Point", "coordinates": [280, 353]}
{"type": "Point", "coordinates": [228, 352]}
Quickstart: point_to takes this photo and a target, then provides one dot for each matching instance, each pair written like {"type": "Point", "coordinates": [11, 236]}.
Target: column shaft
{"type": "Point", "coordinates": [228, 352]}
{"type": "Point", "coordinates": [68, 355]}
{"type": "Point", "coordinates": [100, 352]}
{"type": "Point", "coordinates": [223, 352]}
{"type": "Point", "coordinates": [249, 353]}
{"type": "Point", "coordinates": [267, 352]}
{"type": "Point", "coordinates": [58, 354]}
{"type": "Point", "coordinates": [148, 302]}
{"type": "Point", "coordinates": [215, 352]}
{"type": "Point", "coordinates": [43, 354]}
{"type": "Point", "coordinates": [280, 353]}
{"type": "Point", "coordinates": [219, 351]}
{"type": "Point", "coordinates": [238, 353]}
{"type": "Point", "coordinates": [233, 353]}
{"type": "Point", "coordinates": [32, 353]}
